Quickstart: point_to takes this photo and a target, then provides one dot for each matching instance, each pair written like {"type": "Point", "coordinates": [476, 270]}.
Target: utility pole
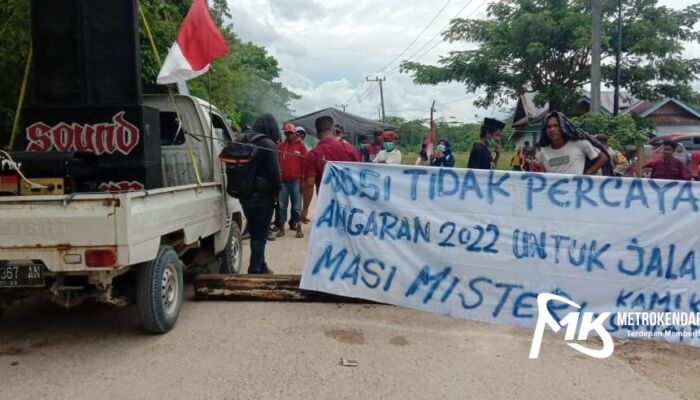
{"type": "Point", "coordinates": [618, 51]}
{"type": "Point", "coordinates": [381, 93]}
{"type": "Point", "coordinates": [597, 14]}
{"type": "Point", "coordinates": [343, 106]}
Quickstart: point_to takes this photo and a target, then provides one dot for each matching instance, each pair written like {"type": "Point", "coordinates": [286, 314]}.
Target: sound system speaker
{"type": "Point", "coordinates": [86, 52]}
{"type": "Point", "coordinates": [85, 97]}
{"type": "Point", "coordinates": [125, 140]}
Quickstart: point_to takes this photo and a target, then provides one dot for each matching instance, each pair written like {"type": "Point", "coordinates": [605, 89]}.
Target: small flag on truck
{"type": "Point", "coordinates": [198, 43]}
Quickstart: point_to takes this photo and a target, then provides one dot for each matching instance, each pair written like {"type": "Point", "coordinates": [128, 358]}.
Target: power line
{"type": "Point", "coordinates": [439, 105]}
{"type": "Point", "coordinates": [355, 93]}
{"type": "Point", "coordinates": [370, 90]}
{"type": "Point", "coordinates": [417, 37]}
{"type": "Point", "coordinates": [413, 57]}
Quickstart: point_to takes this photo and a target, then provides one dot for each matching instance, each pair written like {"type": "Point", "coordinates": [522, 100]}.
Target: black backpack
{"type": "Point", "coordinates": [238, 157]}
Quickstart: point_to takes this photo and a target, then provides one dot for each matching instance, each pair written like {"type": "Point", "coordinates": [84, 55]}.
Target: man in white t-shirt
{"type": "Point", "coordinates": [565, 155]}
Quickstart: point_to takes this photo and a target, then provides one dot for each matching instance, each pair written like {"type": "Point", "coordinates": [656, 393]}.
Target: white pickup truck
{"type": "Point", "coordinates": [120, 248]}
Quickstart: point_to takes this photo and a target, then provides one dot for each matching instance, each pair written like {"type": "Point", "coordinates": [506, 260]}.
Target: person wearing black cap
{"type": "Point", "coordinates": [480, 156]}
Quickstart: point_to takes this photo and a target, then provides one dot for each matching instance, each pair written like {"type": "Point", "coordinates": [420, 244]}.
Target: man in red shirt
{"type": "Point", "coordinates": [327, 149]}
{"type": "Point", "coordinates": [291, 153]}
{"type": "Point", "coordinates": [669, 167]}
{"type": "Point", "coordinates": [377, 144]}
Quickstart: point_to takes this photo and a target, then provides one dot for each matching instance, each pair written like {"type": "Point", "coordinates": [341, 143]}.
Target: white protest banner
{"type": "Point", "coordinates": [483, 244]}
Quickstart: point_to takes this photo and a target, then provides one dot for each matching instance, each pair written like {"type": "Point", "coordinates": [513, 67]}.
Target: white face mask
{"type": "Point", "coordinates": [441, 148]}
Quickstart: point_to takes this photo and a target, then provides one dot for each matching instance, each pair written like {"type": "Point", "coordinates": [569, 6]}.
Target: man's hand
{"type": "Point", "coordinates": [308, 190]}
{"type": "Point", "coordinates": [439, 155]}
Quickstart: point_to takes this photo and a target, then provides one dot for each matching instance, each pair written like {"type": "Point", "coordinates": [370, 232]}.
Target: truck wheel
{"type": "Point", "coordinates": [230, 259]}
{"type": "Point", "coordinates": [159, 291]}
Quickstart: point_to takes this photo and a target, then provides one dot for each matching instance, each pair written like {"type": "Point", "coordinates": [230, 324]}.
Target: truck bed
{"type": "Point", "coordinates": [47, 228]}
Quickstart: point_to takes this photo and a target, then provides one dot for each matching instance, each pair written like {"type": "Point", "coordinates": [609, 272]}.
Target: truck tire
{"type": "Point", "coordinates": [230, 259]}
{"type": "Point", "coordinates": [159, 291]}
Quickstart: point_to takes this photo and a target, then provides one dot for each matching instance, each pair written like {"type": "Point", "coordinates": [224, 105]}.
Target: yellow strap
{"type": "Point", "coordinates": [193, 157]}
{"type": "Point", "coordinates": [20, 103]}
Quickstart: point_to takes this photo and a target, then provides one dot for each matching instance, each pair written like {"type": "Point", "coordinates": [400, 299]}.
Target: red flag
{"type": "Point", "coordinates": [429, 143]}
{"type": "Point", "coordinates": [198, 43]}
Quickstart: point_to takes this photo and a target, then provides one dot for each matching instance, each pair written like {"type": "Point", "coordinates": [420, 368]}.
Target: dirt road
{"type": "Point", "coordinates": [292, 351]}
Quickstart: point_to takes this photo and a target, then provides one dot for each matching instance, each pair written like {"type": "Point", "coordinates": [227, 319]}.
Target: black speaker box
{"type": "Point", "coordinates": [86, 52]}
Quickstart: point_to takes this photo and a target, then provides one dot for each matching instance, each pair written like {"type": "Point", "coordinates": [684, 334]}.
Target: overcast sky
{"type": "Point", "coordinates": [326, 49]}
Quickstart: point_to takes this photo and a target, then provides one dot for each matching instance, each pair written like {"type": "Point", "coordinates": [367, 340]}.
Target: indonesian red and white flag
{"type": "Point", "coordinates": [198, 43]}
{"type": "Point", "coordinates": [429, 142]}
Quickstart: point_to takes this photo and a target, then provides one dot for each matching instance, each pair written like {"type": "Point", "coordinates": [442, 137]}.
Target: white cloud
{"type": "Point", "coordinates": [294, 10]}
{"type": "Point", "coordinates": [328, 48]}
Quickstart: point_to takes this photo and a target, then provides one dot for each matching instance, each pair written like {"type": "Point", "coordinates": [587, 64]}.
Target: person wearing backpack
{"type": "Point", "coordinates": [259, 205]}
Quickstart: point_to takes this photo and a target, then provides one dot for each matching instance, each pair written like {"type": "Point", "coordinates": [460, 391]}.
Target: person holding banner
{"type": "Point", "coordinates": [443, 155]}
{"type": "Point", "coordinates": [567, 149]}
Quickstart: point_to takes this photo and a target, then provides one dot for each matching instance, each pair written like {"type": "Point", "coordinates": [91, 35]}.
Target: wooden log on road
{"type": "Point", "coordinates": [260, 288]}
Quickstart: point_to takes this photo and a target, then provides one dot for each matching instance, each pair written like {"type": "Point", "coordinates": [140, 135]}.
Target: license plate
{"type": "Point", "coordinates": [21, 275]}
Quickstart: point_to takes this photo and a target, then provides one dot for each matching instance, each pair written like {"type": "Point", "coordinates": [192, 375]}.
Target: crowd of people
{"type": "Point", "coordinates": [289, 172]}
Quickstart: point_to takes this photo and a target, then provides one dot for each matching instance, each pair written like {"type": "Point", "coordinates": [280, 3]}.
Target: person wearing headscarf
{"type": "Point", "coordinates": [443, 155]}
{"type": "Point", "coordinates": [567, 149]}
{"type": "Point", "coordinates": [390, 154]}
{"type": "Point", "coordinates": [259, 207]}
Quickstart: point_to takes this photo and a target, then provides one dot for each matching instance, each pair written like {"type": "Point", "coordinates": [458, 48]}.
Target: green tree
{"type": "Point", "coordinates": [14, 48]}
{"type": "Point", "coordinates": [622, 131]}
{"type": "Point", "coordinates": [242, 82]}
{"type": "Point", "coordinates": [544, 46]}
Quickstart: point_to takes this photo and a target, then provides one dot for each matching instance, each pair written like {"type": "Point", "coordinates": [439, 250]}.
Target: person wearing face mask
{"type": "Point", "coordinates": [290, 153]}
{"type": "Point", "coordinates": [362, 148]}
{"type": "Point", "coordinates": [443, 155]}
{"type": "Point", "coordinates": [480, 156]}
{"type": "Point", "coordinates": [375, 146]}
{"type": "Point", "coordinates": [390, 154]}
